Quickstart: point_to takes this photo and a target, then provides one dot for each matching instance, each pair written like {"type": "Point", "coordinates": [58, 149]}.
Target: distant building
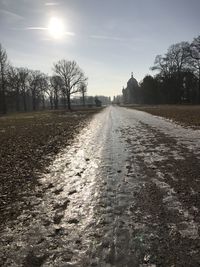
{"type": "Point", "coordinates": [130, 93]}
{"type": "Point", "coordinates": [97, 102]}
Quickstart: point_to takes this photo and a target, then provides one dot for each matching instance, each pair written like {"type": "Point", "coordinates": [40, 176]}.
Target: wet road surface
{"type": "Point", "coordinates": [125, 193]}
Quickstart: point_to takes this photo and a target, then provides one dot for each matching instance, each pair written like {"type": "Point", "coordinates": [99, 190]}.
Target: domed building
{"type": "Point", "coordinates": [131, 91]}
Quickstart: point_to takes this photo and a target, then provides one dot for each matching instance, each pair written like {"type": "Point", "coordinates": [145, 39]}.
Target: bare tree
{"type": "Point", "coordinates": [24, 84]}
{"type": "Point", "coordinates": [174, 61]}
{"type": "Point", "coordinates": [195, 56]}
{"type": "Point", "coordinates": [173, 66]}
{"type": "Point", "coordinates": [71, 75]}
{"type": "Point", "coordinates": [44, 88]}
{"type": "Point", "coordinates": [50, 92]}
{"type": "Point", "coordinates": [14, 84]}
{"type": "Point", "coordinates": [178, 56]}
{"type": "Point", "coordinates": [3, 81]}
{"type": "Point", "coordinates": [195, 48]}
{"type": "Point", "coordinates": [162, 65]}
{"type": "Point", "coordinates": [57, 86]}
{"type": "Point", "coordinates": [83, 90]}
{"type": "Point", "coordinates": [38, 83]}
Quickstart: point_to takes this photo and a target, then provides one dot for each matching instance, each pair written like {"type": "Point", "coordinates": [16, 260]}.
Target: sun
{"type": "Point", "coordinates": [56, 28]}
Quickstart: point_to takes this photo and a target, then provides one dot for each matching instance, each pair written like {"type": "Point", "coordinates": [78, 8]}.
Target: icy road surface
{"type": "Point", "coordinates": [125, 193]}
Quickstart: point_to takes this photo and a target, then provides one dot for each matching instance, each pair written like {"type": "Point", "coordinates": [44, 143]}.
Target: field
{"type": "Point", "coordinates": [29, 142]}
{"type": "Point", "coordinates": [182, 114]}
{"type": "Point", "coordinates": [124, 192]}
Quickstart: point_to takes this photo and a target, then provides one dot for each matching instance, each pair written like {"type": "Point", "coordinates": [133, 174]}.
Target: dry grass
{"type": "Point", "coordinates": [183, 114]}
{"type": "Point", "coordinates": [28, 143]}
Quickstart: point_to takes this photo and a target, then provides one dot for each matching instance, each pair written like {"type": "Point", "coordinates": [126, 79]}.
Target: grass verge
{"type": "Point", "coordinates": [182, 114]}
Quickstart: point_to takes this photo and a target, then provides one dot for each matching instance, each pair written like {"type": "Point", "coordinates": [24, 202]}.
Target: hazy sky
{"type": "Point", "coordinates": [109, 39]}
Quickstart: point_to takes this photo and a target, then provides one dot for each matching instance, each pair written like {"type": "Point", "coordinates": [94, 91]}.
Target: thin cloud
{"type": "Point", "coordinates": [52, 4]}
{"type": "Point", "coordinates": [11, 16]}
{"type": "Point", "coordinates": [70, 33]}
{"type": "Point", "coordinates": [45, 29]}
{"type": "Point", "coordinates": [104, 37]}
{"type": "Point", "coordinates": [36, 28]}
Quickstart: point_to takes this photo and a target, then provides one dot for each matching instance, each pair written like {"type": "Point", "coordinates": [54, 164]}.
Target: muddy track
{"type": "Point", "coordinates": [125, 193]}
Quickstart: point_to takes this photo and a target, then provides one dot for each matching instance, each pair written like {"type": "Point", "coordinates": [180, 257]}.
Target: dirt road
{"type": "Point", "coordinates": [125, 193]}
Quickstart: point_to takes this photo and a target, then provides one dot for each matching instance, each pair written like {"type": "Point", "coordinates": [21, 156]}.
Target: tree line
{"type": "Point", "coordinates": [22, 89]}
{"type": "Point", "coordinates": [178, 76]}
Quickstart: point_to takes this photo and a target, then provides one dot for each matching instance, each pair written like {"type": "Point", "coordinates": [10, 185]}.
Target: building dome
{"type": "Point", "coordinates": [130, 93]}
{"type": "Point", "coordinates": [132, 82]}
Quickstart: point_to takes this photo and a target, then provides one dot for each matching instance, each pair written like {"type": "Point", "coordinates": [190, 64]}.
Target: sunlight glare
{"type": "Point", "coordinates": [56, 28]}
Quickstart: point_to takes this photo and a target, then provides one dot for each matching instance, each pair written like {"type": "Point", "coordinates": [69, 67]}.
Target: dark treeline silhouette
{"type": "Point", "coordinates": [91, 101]}
{"type": "Point", "coordinates": [177, 80]}
{"type": "Point", "coordinates": [22, 89]}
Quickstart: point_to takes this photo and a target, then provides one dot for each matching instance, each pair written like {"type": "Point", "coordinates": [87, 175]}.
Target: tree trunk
{"type": "Point", "coordinates": [3, 96]}
{"type": "Point", "coordinates": [24, 100]}
{"type": "Point", "coordinates": [64, 101]}
{"type": "Point", "coordinates": [179, 89]}
{"type": "Point", "coordinates": [51, 101]}
{"type": "Point", "coordinates": [68, 101]}
{"type": "Point", "coordinates": [56, 101]}
{"type": "Point", "coordinates": [17, 100]}
{"type": "Point", "coordinates": [3, 108]}
{"type": "Point", "coordinates": [83, 96]}
{"type": "Point", "coordinates": [33, 101]}
{"type": "Point", "coordinates": [43, 102]}
{"type": "Point", "coordinates": [199, 88]}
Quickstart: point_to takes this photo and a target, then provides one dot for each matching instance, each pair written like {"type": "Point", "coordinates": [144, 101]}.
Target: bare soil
{"type": "Point", "coordinates": [29, 142]}
{"type": "Point", "coordinates": [185, 115]}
